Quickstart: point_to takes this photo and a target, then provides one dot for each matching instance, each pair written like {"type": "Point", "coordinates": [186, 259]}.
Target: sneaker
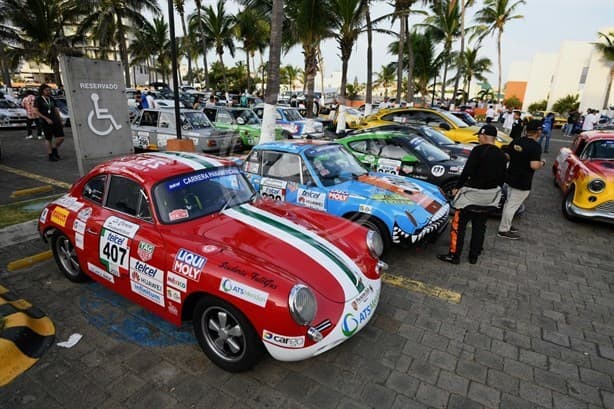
{"type": "Point", "coordinates": [473, 259]}
{"type": "Point", "coordinates": [29, 137]}
{"type": "Point", "coordinates": [39, 137]}
{"type": "Point", "coordinates": [508, 235]}
{"type": "Point", "coordinates": [52, 158]}
{"type": "Point", "coordinates": [514, 229]}
{"type": "Point", "coordinates": [448, 258]}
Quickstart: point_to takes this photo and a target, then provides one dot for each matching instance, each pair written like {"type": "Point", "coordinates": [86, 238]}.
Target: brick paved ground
{"type": "Point", "coordinates": [534, 330]}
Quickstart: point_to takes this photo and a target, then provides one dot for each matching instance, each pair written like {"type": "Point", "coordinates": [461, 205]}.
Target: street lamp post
{"type": "Point", "coordinates": [171, 26]}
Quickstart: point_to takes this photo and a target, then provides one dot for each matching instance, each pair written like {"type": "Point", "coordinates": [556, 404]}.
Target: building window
{"type": "Point", "coordinates": [583, 75]}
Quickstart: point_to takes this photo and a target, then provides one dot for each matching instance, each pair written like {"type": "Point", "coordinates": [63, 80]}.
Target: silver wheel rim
{"type": "Point", "coordinates": [67, 256]}
{"type": "Point", "coordinates": [569, 201]}
{"type": "Point", "coordinates": [223, 334]}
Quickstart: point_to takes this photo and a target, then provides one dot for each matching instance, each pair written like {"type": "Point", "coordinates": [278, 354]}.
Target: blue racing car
{"type": "Point", "coordinates": [325, 176]}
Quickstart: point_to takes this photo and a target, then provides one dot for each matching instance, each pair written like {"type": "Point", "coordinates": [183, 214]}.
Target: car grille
{"type": "Point", "coordinates": [607, 207]}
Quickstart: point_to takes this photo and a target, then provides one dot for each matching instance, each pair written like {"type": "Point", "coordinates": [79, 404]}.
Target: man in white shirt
{"type": "Point", "coordinates": [590, 120]}
{"type": "Point", "coordinates": [151, 102]}
{"type": "Point", "coordinates": [490, 114]}
{"type": "Point", "coordinates": [508, 120]}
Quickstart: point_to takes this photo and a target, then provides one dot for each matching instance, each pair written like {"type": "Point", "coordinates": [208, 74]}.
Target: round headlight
{"type": "Point", "coordinates": [375, 243]}
{"type": "Point", "coordinates": [303, 304]}
{"type": "Point", "coordinates": [596, 186]}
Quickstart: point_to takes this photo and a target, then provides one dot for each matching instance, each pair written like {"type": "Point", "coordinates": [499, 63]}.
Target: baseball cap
{"type": "Point", "coordinates": [489, 130]}
{"type": "Point", "coordinates": [534, 125]}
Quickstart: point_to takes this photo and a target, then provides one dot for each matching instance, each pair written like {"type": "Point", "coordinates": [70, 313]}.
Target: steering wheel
{"type": "Point", "coordinates": [192, 202]}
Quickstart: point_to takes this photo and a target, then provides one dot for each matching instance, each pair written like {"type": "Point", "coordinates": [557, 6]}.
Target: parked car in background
{"type": "Point", "coordinates": [400, 153]}
{"type": "Point", "coordinates": [63, 108]}
{"type": "Point", "coordinates": [244, 121]}
{"type": "Point", "coordinates": [292, 123]}
{"type": "Point", "coordinates": [466, 118]}
{"type": "Point", "coordinates": [585, 174]}
{"type": "Point", "coordinates": [12, 115]}
{"type": "Point", "coordinates": [184, 236]}
{"type": "Point", "coordinates": [152, 128]}
{"type": "Point", "coordinates": [325, 176]}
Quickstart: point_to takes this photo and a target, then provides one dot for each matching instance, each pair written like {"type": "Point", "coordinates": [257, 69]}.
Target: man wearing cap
{"type": "Point", "coordinates": [517, 126]}
{"type": "Point", "coordinates": [525, 158]}
{"type": "Point", "coordinates": [482, 177]}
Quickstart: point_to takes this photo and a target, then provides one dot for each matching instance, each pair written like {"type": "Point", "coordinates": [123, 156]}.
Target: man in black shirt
{"type": "Point", "coordinates": [484, 172]}
{"type": "Point", "coordinates": [49, 118]}
{"type": "Point", "coordinates": [517, 126]}
{"type": "Point", "coordinates": [525, 159]}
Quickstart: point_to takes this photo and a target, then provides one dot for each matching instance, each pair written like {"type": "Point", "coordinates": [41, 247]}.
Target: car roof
{"type": "Point", "coordinates": [149, 168]}
{"type": "Point", "coordinates": [597, 135]}
{"type": "Point", "coordinates": [293, 146]}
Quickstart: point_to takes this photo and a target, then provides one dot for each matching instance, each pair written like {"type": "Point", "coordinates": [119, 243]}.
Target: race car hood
{"type": "Point", "coordinates": [397, 193]}
{"type": "Point", "coordinates": [601, 167]}
{"type": "Point", "coordinates": [275, 245]}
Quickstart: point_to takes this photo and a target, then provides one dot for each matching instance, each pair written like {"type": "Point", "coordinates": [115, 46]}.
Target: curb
{"type": "Point", "coordinates": [18, 233]}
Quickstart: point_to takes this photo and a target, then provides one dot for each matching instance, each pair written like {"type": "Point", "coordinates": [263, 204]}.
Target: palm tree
{"type": "Point", "coordinates": [291, 74]}
{"type": "Point", "coordinates": [218, 26]}
{"type": "Point", "coordinates": [463, 6]}
{"type": "Point", "coordinates": [444, 26]}
{"type": "Point", "coordinates": [494, 15]}
{"type": "Point", "coordinates": [162, 47]}
{"type": "Point", "coordinates": [111, 20]}
{"type": "Point", "coordinates": [272, 89]}
{"type": "Point", "coordinates": [606, 48]}
{"type": "Point", "coordinates": [473, 67]}
{"type": "Point", "coordinates": [310, 23]}
{"type": "Point", "coordinates": [196, 23]}
{"type": "Point", "coordinates": [347, 17]}
{"type": "Point", "coordinates": [38, 29]}
{"type": "Point", "coordinates": [142, 48]}
{"type": "Point", "coordinates": [385, 78]}
{"type": "Point", "coordinates": [180, 7]}
{"type": "Point", "coordinates": [253, 29]}
{"type": "Point", "coordinates": [426, 65]}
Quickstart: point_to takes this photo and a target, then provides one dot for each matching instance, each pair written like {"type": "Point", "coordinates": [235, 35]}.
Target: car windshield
{"type": "Point", "coordinates": [5, 104]}
{"type": "Point", "coordinates": [428, 150]}
{"type": "Point", "coordinates": [292, 115]}
{"type": "Point", "coordinates": [195, 120]}
{"type": "Point", "coordinates": [249, 117]}
{"type": "Point", "coordinates": [437, 137]}
{"type": "Point", "coordinates": [333, 164]}
{"type": "Point", "coordinates": [193, 195]}
{"type": "Point", "coordinates": [456, 121]}
{"type": "Point", "coordinates": [466, 118]}
{"type": "Point", "coordinates": [603, 149]}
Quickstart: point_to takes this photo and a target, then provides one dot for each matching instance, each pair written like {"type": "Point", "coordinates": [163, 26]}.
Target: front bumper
{"type": "Point", "coordinates": [431, 231]}
{"type": "Point", "coordinates": [602, 213]}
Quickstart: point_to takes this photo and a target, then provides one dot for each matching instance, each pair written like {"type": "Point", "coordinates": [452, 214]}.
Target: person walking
{"type": "Point", "coordinates": [508, 120]}
{"type": "Point", "coordinates": [480, 192]}
{"type": "Point", "coordinates": [547, 125]}
{"type": "Point", "coordinates": [151, 102]}
{"type": "Point", "coordinates": [490, 114]}
{"type": "Point", "coordinates": [590, 120]}
{"type": "Point", "coordinates": [524, 159]}
{"type": "Point", "coordinates": [517, 126]}
{"type": "Point", "coordinates": [28, 105]}
{"type": "Point", "coordinates": [196, 104]}
{"type": "Point", "coordinates": [49, 118]}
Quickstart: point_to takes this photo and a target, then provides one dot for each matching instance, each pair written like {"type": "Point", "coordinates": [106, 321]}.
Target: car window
{"type": "Point", "coordinates": [94, 189]}
{"type": "Point", "coordinates": [252, 163]}
{"type": "Point", "coordinates": [428, 151]}
{"type": "Point", "coordinates": [359, 146]}
{"type": "Point", "coordinates": [603, 149]}
{"type": "Point", "coordinates": [402, 117]}
{"type": "Point", "coordinates": [278, 116]}
{"type": "Point", "coordinates": [211, 113]}
{"type": "Point", "coordinates": [293, 114]}
{"type": "Point", "coordinates": [167, 120]}
{"type": "Point", "coordinates": [282, 165]}
{"type": "Point", "coordinates": [128, 197]}
{"type": "Point", "coordinates": [437, 137]}
{"type": "Point", "coordinates": [189, 196]}
{"type": "Point", "coordinates": [334, 164]}
{"type": "Point", "coordinates": [149, 118]}
{"type": "Point", "coordinates": [392, 150]}
{"type": "Point", "coordinates": [224, 117]}
{"type": "Point", "coordinates": [195, 120]}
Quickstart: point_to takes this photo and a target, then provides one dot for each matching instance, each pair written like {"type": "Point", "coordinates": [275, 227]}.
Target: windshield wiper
{"type": "Point", "coordinates": [232, 197]}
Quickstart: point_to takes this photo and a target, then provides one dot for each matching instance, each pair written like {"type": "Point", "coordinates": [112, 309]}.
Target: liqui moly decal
{"type": "Point", "coordinates": [189, 264]}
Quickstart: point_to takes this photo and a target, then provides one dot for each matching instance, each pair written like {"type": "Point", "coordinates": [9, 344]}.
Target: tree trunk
{"type": "Point", "coordinates": [204, 42]}
{"type": "Point", "coordinates": [459, 66]}
{"type": "Point", "coordinates": [185, 37]}
{"type": "Point", "coordinates": [499, 60]}
{"type": "Point", "coordinates": [400, 61]}
{"type": "Point", "coordinates": [345, 59]}
{"type": "Point", "coordinates": [223, 72]}
{"type": "Point", "coordinates": [443, 82]}
{"type": "Point", "coordinates": [369, 92]}
{"type": "Point", "coordinates": [310, 74]}
{"type": "Point", "coordinates": [410, 65]}
{"type": "Point", "coordinates": [272, 89]}
{"type": "Point", "coordinates": [123, 53]}
{"type": "Point", "coordinates": [4, 63]}
{"type": "Point", "coordinates": [247, 64]}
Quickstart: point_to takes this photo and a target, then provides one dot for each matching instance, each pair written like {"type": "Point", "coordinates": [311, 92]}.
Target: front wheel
{"type": "Point", "coordinates": [568, 203]}
{"type": "Point", "coordinates": [66, 257]}
{"type": "Point", "coordinates": [380, 228]}
{"type": "Point", "coordinates": [225, 335]}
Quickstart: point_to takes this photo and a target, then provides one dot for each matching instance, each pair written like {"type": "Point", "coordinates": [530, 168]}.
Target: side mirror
{"type": "Point", "coordinates": [240, 121]}
{"type": "Point", "coordinates": [163, 124]}
{"type": "Point", "coordinates": [445, 126]}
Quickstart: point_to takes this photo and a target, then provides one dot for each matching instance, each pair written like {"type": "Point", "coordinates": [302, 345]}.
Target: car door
{"type": "Point", "coordinates": [167, 128]}
{"type": "Point", "coordinates": [145, 132]}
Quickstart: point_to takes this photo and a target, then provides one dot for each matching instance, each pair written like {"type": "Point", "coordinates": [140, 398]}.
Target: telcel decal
{"type": "Point", "coordinates": [189, 264]}
{"type": "Point", "coordinates": [282, 340]}
{"type": "Point", "coordinates": [351, 323]}
{"type": "Point", "coordinates": [312, 199]}
{"type": "Point", "coordinates": [244, 292]}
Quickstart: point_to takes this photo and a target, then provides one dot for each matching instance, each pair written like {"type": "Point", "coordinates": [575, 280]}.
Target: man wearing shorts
{"type": "Point", "coordinates": [50, 120]}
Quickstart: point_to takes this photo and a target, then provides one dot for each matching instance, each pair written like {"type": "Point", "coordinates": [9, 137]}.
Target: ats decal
{"type": "Point", "coordinates": [188, 264]}
{"type": "Point", "coordinates": [282, 340]}
{"type": "Point", "coordinates": [351, 322]}
{"type": "Point", "coordinates": [244, 292]}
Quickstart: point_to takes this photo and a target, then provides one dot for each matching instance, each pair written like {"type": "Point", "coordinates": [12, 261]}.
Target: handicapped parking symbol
{"type": "Point", "coordinates": [101, 114]}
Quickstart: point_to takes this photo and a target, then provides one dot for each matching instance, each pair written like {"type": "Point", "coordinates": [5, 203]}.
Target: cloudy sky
{"type": "Point", "coordinates": [545, 25]}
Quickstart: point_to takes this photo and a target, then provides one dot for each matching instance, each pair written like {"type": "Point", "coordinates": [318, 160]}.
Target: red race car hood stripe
{"type": "Point", "coordinates": [320, 250]}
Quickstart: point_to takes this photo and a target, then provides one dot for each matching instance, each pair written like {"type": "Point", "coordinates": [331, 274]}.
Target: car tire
{"type": "Point", "coordinates": [225, 335]}
{"type": "Point", "coordinates": [567, 202]}
{"type": "Point", "coordinates": [378, 227]}
{"type": "Point", "coordinates": [65, 257]}
{"type": "Point", "coordinates": [447, 189]}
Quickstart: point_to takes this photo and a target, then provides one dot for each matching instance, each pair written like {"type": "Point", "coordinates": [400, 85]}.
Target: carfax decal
{"type": "Point", "coordinates": [243, 292]}
{"type": "Point", "coordinates": [282, 340]}
{"type": "Point", "coordinates": [59, 216]}
{"type": "Point", "coordinates": [189, 264]}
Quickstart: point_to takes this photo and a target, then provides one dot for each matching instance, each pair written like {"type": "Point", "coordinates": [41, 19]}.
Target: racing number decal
{"type": "Point", "coordinates": [389, 166]}
{"type": "Point", "coordinates": [114, 251]}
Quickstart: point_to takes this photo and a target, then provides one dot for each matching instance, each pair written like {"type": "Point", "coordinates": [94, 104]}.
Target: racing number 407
{"type": "Point", "coordinates": [114, 253]}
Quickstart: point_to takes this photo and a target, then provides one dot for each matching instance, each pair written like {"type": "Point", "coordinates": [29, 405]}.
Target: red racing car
{"type": "Point", "coordinates": [184, 236]}
{"type": "Point", "coordinates": [585, 173]}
